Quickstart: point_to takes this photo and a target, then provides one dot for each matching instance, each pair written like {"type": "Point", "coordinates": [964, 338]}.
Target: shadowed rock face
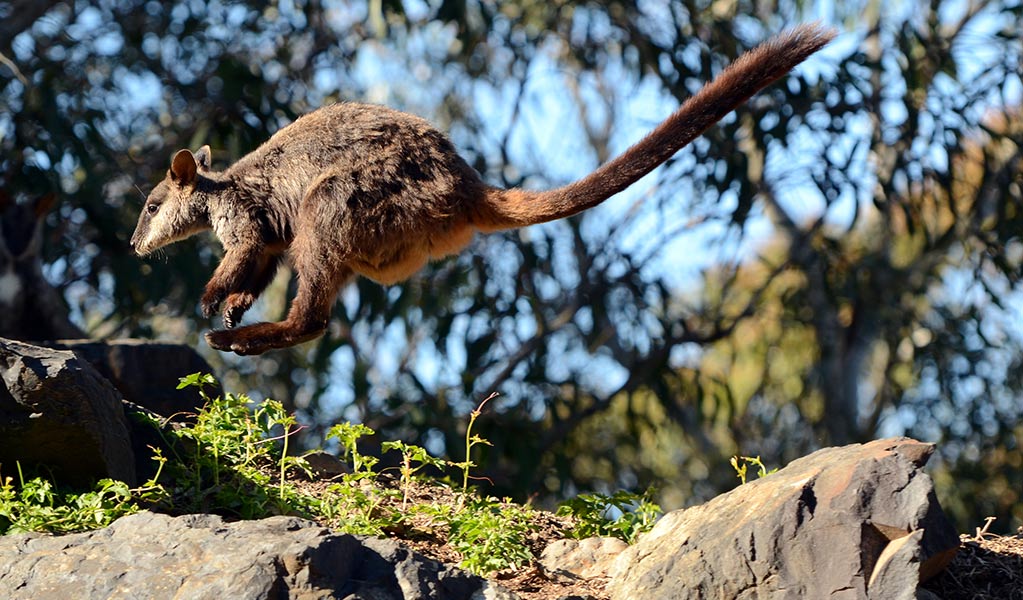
{"type": "Point", "coordinates": [148, 555]}
{"type": "Point", "coordinates": [857, 521]}
{"type": "Point", "coordinates": [69, 406]}
{"type": "Point", "coordinates": [60, 413]}
{"type": "Point", "coordinates": [146, 373]}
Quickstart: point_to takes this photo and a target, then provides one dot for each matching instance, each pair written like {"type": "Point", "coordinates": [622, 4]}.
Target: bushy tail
{"type": "Point", "coordinates": [751, 72]}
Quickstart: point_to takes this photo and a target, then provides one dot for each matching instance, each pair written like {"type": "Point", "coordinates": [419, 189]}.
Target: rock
{"type": "Point", "coordinates": [388, 565]}
{"type": "Point", "coordinates": [325, 465]}
{"type": "Point", "coordinates": [852, 522]}
{"type": "Point", "coordinates": [588, 558]}
{"type": "Point", "coordinates": [148, 555]}
{"type": "Point", "coordinates": [57, 411]}
{"type": "Point", "coordinates": [146, 373]}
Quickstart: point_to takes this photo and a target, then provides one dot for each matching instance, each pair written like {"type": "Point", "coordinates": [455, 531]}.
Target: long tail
{"type": "Point", "coordinates": [751, 72]}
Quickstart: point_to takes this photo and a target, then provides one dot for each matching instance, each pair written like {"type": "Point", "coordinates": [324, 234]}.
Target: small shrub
{"type": "Point", "coordinates": [490, 535]}
{"type": "Point", "coordinates": [413, 459]}
{"type": "Point", "coordinates": [227, 457]}
{"type": "Point", "coordinates": [623, 515]}
{"type": "Point", "coordinates": [36, 505]}
{"type": "Point", "coordinates": [741, 464]}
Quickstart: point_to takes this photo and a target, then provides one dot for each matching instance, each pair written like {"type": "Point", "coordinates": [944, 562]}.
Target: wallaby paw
{"type": "Point", "coordinates": [233, 316]}
{"type": "Point", "coordinates": [210, 303]}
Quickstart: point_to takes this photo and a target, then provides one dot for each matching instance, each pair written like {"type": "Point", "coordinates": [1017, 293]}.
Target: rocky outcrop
{"type": "Point", "coordinates": [587, 558]}
{"type": "Point", "coordinates": [148, 555]}
{"type": "Point", "coordinates": [60, 413]}
{"type": "Point", "coordinates": [73, 406]}
{"type": "Point", "coordinates": [858, 521]}
{"type": "Point", "coordinates": [855, 522]}
{"type": "Point", "coordinates": [146, 373]}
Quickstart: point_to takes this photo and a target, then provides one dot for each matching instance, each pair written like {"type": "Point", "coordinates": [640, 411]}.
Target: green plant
{"type": "Point", "coordinates": [472, 441]}
{"type": "Point", "coordinates": [271, 414]}
{"type": "Point", "coordinates": [623, 515]}
{"type": "Point", "coordinates": [36, 505]}
{"type": "Point", "coordinates": [490, 535]}
{"type": "Point", "coordinates": [413, 459]}
{"type": "Point", "coordinates": [746, 461]}
{"type": "Point", "coordinates": [355, 504]}
{"type": "Point", "coordinates": [348, 434]}
{"type": "Point", "coordinates": [225, 458]}
{"type": "Point", "coordinates": [353, 508]}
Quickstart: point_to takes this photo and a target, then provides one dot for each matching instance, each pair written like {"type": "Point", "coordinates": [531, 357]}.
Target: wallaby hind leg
{"type": "Point", "coordinates": [321, 272]}
{"type": "Point", "coordinates": [307, 318]}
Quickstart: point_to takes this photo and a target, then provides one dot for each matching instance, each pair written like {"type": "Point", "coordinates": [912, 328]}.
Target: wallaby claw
{"type": "Point", "coordinates": [231, 318]}
{"type": "Point", "coordinates": [235, 307]}
{"type": "Point", "coordinates": [210, 306]}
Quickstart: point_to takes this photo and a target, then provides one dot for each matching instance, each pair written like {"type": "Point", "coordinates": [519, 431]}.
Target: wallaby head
{"type": "Point", "coordinates": [176, 208]}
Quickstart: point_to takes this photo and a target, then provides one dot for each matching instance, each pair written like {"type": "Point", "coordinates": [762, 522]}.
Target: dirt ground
{"type": "Point", "coordinates": [987, 567]}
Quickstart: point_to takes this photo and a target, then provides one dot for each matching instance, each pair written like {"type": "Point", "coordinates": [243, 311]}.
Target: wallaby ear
{"type": "Point", "coordinates": [183, 167]}
{"type": "Point", "coordinates": [203, 158]}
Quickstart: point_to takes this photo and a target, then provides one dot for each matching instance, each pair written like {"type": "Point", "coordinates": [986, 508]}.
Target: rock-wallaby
{"type": "Point", "coordinates": [355, 189]}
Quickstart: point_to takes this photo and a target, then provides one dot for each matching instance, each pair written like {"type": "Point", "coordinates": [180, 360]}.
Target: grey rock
{"type": "Point", "coordinates": [898, 563]}
{"type": "Point", "coordinates": [148, 555]}
{"type": "Point", "coordinates": [852, 522]}
{"type": "Point", "coordinates": [587, 558]}
{"type": "Point", "coordinates": [325, 465]}
{"type": "Point", "coordinates": [57, 411]}
{"type": "Point", "coordinates": [144, 377]}
{"type": "Point", "coordinates": [145, 372]}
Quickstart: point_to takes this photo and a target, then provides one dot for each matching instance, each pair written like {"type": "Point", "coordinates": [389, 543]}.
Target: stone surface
{"type": "Point", "coordinates": [325, 465]}
{"type": "Point", "coordinates": [149, 555]}
{"type": "Point", "coordinates": [146, 373]}
{"type": "Point", "coordinates": [144, 377]}
{"type": "Point", "coordinates": [852, 522]}
{"type": "Point", "coordinates": [57, 411]}
{"type": "Point", "coordinates": [587, 558]}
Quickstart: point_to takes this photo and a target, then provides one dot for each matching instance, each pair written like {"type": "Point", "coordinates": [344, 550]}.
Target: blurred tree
{"type": "Point", "coordinates": [30, 308]}
{"type": "Point", "coordinates": [642, 343]}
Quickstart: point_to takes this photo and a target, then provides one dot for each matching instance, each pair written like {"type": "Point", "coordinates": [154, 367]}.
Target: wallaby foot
{"type": "Point", "coordinates": [260, 337]}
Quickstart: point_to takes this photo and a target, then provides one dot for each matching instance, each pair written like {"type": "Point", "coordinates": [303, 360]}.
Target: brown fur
{"type": "Point", "coordinates": [357, 189]}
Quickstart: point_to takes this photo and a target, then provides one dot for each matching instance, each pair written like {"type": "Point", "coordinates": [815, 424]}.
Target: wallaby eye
{"type": "Point", "coordinates": [152, 208]}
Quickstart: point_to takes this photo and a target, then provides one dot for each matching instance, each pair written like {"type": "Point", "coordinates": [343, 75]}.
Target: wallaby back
{"type": "Point", "coordinates": [751, 72]}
